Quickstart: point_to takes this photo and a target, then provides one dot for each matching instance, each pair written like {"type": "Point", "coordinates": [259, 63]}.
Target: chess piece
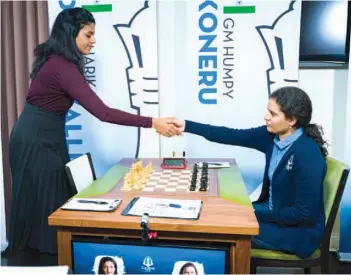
{"type": "Point", "coordinates": [149, 168]}
{"type": "Point", "coordinates": [202, 188]}
{"type": "Point", "coordinates": [127, 183]}
{"type": "Point", "coordinates": [193, 182]}
{"type": "Point", "coordinates": [137, 176]}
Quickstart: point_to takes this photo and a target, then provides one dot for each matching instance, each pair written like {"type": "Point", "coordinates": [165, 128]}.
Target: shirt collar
{"type": "Point", "coordinates": [288, 140]}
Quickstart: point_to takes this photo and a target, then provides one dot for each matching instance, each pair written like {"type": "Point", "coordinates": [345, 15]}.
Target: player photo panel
{"type": "Point", "coordinates": [107, 264]}
{"type": "Point", "coordinates": [188, 268]}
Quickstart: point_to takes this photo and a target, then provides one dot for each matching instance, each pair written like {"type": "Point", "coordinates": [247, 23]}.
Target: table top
{"type": "Point", "coordinates": [230, 212]}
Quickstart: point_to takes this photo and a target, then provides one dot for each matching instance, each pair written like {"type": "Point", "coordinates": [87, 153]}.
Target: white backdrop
{"type": "Point", "coordinates": [261, 47]}
{"type": "Point", "coordinates": [179, 55]}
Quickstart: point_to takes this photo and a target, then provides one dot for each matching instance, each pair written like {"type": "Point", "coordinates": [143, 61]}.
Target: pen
{"type": "Point", "coordinates": [170, 205]}
{"type": "Point", "coordinates": [95, 202]}
{"type": "Point", "coordinates": [210, 163]}
{"type": "Point", "coordinates": [175, 205]}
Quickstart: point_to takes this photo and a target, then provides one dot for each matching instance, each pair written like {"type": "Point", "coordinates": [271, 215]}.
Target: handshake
{"type": "Point", "coordinates": [168, 126]}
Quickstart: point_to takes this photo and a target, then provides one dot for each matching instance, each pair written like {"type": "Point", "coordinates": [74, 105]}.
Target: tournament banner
{"type": "Point", "coordinates": [236, 54]}
{"type": "Point", "coordinates": [122, 70]}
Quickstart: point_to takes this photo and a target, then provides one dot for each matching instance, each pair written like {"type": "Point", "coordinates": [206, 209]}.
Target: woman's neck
{"type": "Point", "coordinates": [287, 133]}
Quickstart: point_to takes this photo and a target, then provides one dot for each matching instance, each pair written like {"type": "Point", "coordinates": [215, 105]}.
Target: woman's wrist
{"type": "Point", "coordinates": [154, 122]}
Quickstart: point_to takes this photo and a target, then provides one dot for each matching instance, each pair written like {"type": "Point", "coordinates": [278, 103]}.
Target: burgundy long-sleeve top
{"type": "Point", "coordinates": [58, 83]}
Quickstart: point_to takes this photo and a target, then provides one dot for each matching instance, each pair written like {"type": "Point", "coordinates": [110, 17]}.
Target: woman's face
{"type": "Point", "coordinates": [109, 268]}
{"type": "Point", "coordinates": [190, 270]}
{"type": "Point", "coordinates": [275, 119]}
{"type": "Point", "coordinates": [85, 39]}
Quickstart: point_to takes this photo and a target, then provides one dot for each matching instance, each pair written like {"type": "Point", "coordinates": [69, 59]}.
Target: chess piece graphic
{"type": "Point", "coordinates": [141, 73]}
{"type": "Point", "coordinates": [282, 70]}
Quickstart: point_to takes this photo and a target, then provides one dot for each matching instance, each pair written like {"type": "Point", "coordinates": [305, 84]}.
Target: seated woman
{"type": "Point", "coordinates": [290, 209]}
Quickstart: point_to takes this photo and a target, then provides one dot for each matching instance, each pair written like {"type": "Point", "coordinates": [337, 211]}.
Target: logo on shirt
{"type": "Point", "coordinates": [290, 163]}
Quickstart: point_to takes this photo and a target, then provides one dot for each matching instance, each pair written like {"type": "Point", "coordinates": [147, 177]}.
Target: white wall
{"type": "Point", "coordinates": [328, 91]}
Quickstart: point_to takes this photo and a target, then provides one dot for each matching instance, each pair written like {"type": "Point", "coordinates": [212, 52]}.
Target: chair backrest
{"type": "Point", "coordinates": [80, 172]}
{"type": "Point", "coordinates": [333, 188]}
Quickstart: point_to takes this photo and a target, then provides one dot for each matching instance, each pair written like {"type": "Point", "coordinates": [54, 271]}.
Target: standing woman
{"type": "Point", "coordinates": [290, 209]}
{"type": "Point", "coordinates": [38, 151]}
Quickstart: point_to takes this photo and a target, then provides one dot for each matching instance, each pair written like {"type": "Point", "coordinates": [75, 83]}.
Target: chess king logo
{"type": "Point", "coordinates": [283, 70]}
{"type": "Point", "coordinates": [148, 265]}
{"type": "Point", "coordinates": [141, 74]}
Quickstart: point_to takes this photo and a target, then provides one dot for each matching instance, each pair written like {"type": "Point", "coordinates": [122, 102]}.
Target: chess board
{"type": "Point", "coordinates": [175, 181]}
{"type": "Point", "coordinates": [171, 181]}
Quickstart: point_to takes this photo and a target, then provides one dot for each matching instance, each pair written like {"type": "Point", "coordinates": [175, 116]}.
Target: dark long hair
{"type": "Point", "coordinates": [62, 40]}
{"type": "Point", "coordinates": [296, 104]}
{"type": "Point", "coordinates": [103, 261]}
{"type": "Point", "coordinates": [187, 265]}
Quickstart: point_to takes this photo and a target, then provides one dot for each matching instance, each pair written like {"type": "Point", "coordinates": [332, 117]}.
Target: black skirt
{"type": "Point", "coordinates": [38, 154]}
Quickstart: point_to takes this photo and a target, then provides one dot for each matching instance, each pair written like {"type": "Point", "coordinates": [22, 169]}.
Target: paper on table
{"type": "Point", "coordinates": [92, 204]}
{"type": "Point", "coordinates": [166, 208]}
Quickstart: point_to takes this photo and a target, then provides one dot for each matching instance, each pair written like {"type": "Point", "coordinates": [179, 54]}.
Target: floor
{"type": "Point", "coordinates": [30, 257]}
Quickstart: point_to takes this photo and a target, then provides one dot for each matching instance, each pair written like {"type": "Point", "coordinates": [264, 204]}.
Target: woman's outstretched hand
{"type": "Point", "coordinates": [180, 124]}
{"type": "Point", "coordinates": [165, 127]}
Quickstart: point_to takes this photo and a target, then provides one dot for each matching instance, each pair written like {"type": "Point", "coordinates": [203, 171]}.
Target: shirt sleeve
{"type": "Point", "coordinates": [255, 138]}
{"type": "Point", "coordinates": [73, 82]}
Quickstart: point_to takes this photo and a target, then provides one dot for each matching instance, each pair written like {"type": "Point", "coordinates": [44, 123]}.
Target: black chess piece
{"type": "Point", "coordinates": [193, 181]}
{"type": "Point", "coordinates": [192, 188]}
{"type": "Point", "coordinates": [202, 188]}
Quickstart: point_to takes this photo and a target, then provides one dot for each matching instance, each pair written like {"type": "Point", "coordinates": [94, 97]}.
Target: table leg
{"type": "Point", "coordinates": [240, 256]}
{"type": "Point", "coordinates": [64, 248]}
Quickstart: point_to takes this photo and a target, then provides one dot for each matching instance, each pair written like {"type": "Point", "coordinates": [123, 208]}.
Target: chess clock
{"type": "Point", "coordinates": [173, 163]}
